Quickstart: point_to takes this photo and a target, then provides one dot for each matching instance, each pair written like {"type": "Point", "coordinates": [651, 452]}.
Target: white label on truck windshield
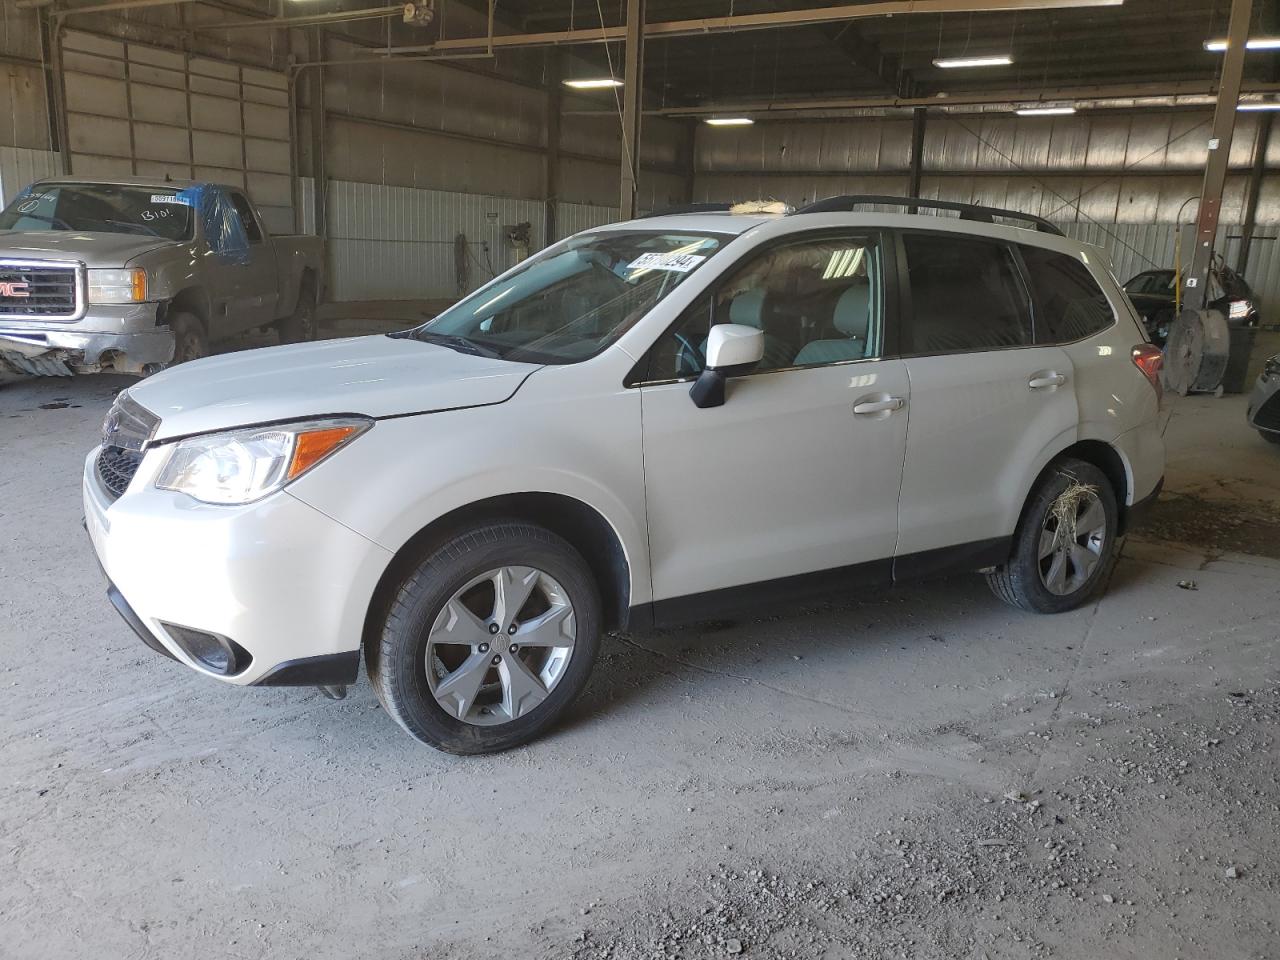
{"type": "Point", "coordinates": [168, 198]}
{"type": "Point", "coordinates": [677, 262]}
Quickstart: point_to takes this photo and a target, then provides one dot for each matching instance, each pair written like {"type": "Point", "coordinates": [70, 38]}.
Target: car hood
{"type": "Point", "coordinates": [376, 376]}
{"type": "Point", "coordinates": [93, 249]}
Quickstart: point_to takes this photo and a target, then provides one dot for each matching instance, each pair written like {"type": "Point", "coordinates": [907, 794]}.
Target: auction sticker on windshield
{"type": "Point", "coordinates": [677, 262]}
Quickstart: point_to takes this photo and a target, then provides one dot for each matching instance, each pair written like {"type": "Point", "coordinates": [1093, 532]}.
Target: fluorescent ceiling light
{"type": "Point", "coordinates": [1260, 105]}
{"type": "Point", "coordinates": [951, 63]}
{"type": "Point", "coordinates": [593, 83]}
{"type": "Point", "coordinates": [730, 121]}
{"type": "Point", "coordinates": [1046, 111]}
{"type": "Point", "coordinates": [1256, 43]}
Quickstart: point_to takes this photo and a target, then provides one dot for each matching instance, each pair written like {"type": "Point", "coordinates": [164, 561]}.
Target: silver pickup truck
{"type": "Point", "coordinates": [132, 275]}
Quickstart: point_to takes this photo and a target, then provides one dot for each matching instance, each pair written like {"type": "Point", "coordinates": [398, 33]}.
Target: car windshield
{"type": "Point", "coordinates": [100, 208]}
{"type": "Point", "coordinates": [1158, 282]}
{"type": "Point", "coordinates": [570, 303]}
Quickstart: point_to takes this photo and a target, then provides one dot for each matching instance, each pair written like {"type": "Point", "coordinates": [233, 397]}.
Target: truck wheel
{"type": "Point", "coordinates": [489, 640]}
{"type": "Point", "coordinates": [300, 326]}
{"type": "Point", "coordinates": [189, 340]}
{"type": "Point", "coordinates": [1065, 545]}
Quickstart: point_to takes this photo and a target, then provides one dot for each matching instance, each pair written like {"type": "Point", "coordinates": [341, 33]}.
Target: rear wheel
{"type": "Point", "coordinates": [189, 339]}
{"type": "Point", "coordinates": [1065, 545]}
{"type": "Point", "coordinates": [300, 326]}
{"type": "Point", "coordinates": [489, 640]}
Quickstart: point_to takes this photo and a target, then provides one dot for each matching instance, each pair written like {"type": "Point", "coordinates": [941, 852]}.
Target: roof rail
{"type": "Point", "coordinates": [967, 211]}
{"type": "Point", "coordinates": [688, 208]}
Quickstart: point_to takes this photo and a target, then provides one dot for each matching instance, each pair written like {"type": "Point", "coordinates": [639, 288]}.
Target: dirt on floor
{"type": "Point", "coordinates": [924, 773]}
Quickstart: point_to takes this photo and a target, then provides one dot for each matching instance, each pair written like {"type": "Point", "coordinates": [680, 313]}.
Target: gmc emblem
{"type": "Point", "coordinates": [14, 289]}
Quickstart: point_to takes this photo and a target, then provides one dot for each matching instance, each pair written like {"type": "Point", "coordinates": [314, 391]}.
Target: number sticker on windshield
{"type": "Point", "coordinates": [168, 198]}
{"type": "Point", "coordinates": [677, 262]}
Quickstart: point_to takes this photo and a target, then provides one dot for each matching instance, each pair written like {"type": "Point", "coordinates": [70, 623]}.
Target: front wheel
{"type": "Point", "coordinates": [489, 640]}
{"type": "Point", "coordinates": [1065, 544]}
{"type": "Point", "coordinates": [189, 339]}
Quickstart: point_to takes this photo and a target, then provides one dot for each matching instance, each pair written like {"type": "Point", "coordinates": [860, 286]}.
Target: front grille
{"type": "Point", "coordinates": [1267, 416]}
{"type": "Point", "coordinates": [116, 468]}
{"type": "Point", "coordinates": [39, 291]}
{"type": "Point", "coordinates": [126, 432]}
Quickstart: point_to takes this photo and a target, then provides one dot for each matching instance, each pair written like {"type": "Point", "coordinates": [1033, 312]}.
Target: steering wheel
{"type": "Point", "coordinates": [689, 358]}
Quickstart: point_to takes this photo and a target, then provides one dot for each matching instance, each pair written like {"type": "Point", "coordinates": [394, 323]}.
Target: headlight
{"type": "Point", "coordinates": [1239, 309]}
{"type": "Point", "coordinates": [246, 465]}
{"type": "Point", "coordinates": [117, 286]}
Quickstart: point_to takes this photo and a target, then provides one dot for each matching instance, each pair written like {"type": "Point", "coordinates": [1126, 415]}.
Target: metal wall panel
{"type": "Point", "coordinates": [19, 166]}
{"type": "Point", "coordinates": [136, 109]}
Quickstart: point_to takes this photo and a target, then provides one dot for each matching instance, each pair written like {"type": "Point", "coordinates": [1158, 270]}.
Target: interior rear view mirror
{"type": "Point", "coordinates": [732, 348]}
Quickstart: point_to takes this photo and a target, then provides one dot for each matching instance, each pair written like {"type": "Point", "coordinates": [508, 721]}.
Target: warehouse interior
{"type": "Point", "coordinates": [922, 773]}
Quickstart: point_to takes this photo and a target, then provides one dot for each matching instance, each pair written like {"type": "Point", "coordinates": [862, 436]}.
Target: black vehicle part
{"type": "Point", "coordinates": [967, 211]}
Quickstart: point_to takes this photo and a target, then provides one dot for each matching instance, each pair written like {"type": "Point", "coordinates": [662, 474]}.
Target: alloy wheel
{"type": "Point", "coordinates": [500, 645]}
{"type": "Point", "coordinates": [1073, 539]}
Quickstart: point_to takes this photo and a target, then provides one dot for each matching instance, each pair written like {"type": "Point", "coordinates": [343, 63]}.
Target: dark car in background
{"type": "Point", "coordinates": [1153, 293]}
{"type": "Point", "coordinates": [1264, 402]}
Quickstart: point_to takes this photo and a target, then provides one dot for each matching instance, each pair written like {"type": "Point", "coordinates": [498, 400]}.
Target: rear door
{"type": "Point", "coordinates": [986, 401]}
{"type": "Point", "coordinates": [261, 285]}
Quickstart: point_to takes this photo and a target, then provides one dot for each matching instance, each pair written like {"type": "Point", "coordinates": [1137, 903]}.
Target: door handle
{"type": "Point", "coordinates": [867, 407]}
{"type": "Point", "coordinates": [1045, 380]}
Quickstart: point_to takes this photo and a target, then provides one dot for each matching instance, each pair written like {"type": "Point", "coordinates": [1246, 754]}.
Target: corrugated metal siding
{"type": "Point", "coordinates": [394, 243]}
{"type": "Point", "coordinates": [19, 166]}
{"type": "Point", "coordinates": [573, 218]}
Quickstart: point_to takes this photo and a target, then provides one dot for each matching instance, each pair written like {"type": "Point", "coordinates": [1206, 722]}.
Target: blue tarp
{"type": "Point", "coordinates": [222, 227]}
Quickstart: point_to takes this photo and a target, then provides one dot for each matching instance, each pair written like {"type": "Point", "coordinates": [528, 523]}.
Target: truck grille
{"type": "Point", "coordinates": [36, 290]}
{"type": "Point", "coordinates": [126, 432]}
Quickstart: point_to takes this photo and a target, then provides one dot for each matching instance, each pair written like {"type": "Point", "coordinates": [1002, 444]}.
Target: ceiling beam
{"type": "Point", "coordinates": [753, 21]}
{"type": "Point", "coordinates": [869, 57]}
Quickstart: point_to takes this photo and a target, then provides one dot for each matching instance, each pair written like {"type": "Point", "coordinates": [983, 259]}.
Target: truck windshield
{"type": "Point", "coordinates": [100, 208]}
{"type": "Point", "coordinates": [569, 304]}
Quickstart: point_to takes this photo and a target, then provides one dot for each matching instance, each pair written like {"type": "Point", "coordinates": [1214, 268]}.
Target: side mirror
{"type": "Point", "coordinates": [732, 348]}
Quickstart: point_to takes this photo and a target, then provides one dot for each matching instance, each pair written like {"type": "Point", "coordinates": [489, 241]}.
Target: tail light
{"type": "Point", "coordinates": [1150, 361]}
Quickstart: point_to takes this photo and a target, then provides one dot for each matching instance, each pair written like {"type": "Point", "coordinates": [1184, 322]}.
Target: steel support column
{"type": "Point", "coordinates": [319, 168]}
{"type": "Point", "coordinates": [1255, 190]}
{"type": "Point", "coordinates": [632, 93]}
{"type": "Point", "coordinates": [1215, 173]}
{"type": "Point", "coordinates": [917, 151]}
{"type": "Point", "coordinates": [551, 158]}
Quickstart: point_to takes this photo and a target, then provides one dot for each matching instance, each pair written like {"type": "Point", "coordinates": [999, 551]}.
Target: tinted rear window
{"type": "Point", "coordinates": [966, 295]}
{"type": "Point", "coordinates": [1069, 303]}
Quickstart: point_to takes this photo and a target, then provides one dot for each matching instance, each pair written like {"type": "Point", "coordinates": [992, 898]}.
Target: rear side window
{"type": "Point", "coordinates": [966, 295]}
{"type": "Point", "coordinates": [245, 211]}
{"type": "Point", "coordinates": [1069, 303]}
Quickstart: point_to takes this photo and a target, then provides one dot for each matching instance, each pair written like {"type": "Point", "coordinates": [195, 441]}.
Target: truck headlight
{"type": "Point", "coordinates": [117, 286]}
{"type": "Point", "coordinates": [245, 465]}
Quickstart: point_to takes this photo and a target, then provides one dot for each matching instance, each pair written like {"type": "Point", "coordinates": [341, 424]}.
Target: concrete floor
{"type": "Point", "coordinates": [926, 773]}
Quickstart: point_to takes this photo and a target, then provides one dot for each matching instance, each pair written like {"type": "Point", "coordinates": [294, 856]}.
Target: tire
{"type": "Point", "coordinates": [1025, 580]}
{"type": "Point", "coordinates": [453, 593]}
{"type": "Point", "coordinates": [300, 326]}
{"type": "Point", "coordinates": [1269, 436]}
{"type": "Point", "coordinates": [190, 342]}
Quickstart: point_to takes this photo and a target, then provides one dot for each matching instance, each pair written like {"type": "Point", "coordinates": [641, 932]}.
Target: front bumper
{"type": "Point", "coordinates": [122, 338]}
{"type": "Point", "coordinates": [288, 585]}
{"type": "Point", "coordinates": [1264, 404]}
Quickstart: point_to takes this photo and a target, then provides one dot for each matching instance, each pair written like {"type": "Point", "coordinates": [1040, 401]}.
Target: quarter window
{"type": "Point", "coordinates": [1069, 303]}
{"type": "Point", "coordinates": [966, 295]}
{"type": "Point", "coordinates": [817, 301]}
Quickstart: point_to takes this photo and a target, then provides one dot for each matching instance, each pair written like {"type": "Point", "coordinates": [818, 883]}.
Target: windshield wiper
{"type": "Point", "coordinates": [461, 344]}
{"type": "Point", "coordinates": [133, 226]}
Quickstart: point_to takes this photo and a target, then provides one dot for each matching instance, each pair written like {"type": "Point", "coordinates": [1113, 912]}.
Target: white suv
{"type": "Point", "coordinates": [651, 422]}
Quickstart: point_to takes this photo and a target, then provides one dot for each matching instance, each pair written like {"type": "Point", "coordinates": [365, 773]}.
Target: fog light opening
{"type": "Point", "coordinates": [216, 653]}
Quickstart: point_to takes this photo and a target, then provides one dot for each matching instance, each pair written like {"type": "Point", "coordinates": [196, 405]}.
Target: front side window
{"type": "Point", "coordinates": [101, 208]}
{"type": "Point", "coordinates": [1069, 303]}
{"type": "Point", "coordinates": [966, 295]}
{"type": "Point", "coordinates": [568, 305]}
{"type": "Point", "coordinates": [817, 301]}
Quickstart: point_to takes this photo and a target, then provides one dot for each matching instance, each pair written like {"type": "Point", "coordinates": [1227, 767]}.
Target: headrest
{"type": "Point", "coordinates": [853, 311]}
{"type": "Point", "coordinates": [748, 308]}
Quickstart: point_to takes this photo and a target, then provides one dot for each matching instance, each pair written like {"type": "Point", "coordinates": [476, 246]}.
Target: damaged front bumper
{"type": "Point", "coordinates": [51, 349]}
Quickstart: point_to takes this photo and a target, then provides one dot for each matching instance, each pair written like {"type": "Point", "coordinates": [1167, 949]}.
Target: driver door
{"type": "Point", "coordinates": [798, 473]}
